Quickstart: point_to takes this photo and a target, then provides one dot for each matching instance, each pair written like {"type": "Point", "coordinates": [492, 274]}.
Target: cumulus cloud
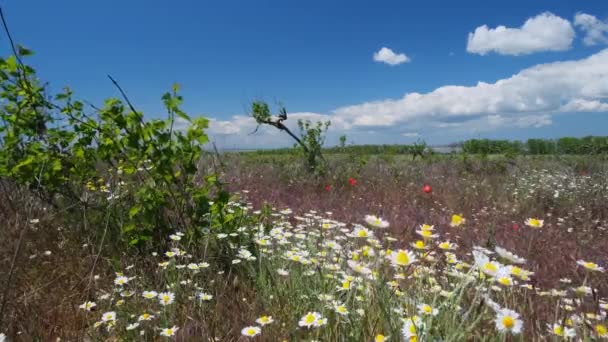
{"type": "Point", "coordinates": [569, 86]}
{"type": "Point", "coordinates": [386, 55]}
{"type": "Point", "coordinates": [596, 31]}
{"type": "Point", "coordinates": [526, 99]}
{"type": "Point", "coordinates": [544, 32]}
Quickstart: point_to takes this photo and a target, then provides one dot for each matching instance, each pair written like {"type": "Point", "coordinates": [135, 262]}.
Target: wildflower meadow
{"type": "Point", "coordinates": [119, 226]}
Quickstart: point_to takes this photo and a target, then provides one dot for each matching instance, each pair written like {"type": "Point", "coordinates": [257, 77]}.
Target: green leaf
{"type": "Point", "coordinates": [134, 210]}
{"type": "Point", "coordinates": [128, 227]}
{"type": "Point", "coordinates": [22, 51]}
{"type": "Point", "coordinates": [25, 162]}
{"type": "Point", "coordinates": [11, 63]}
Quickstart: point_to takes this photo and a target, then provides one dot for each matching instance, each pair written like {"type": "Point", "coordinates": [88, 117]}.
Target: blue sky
{"type": "Point", "coordinates": [317, 57]}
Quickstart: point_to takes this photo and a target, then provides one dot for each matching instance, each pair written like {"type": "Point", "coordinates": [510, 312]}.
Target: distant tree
{"type": "Point", "coordinates": [342, 141]}
{"type": "Point", "coordinates": [311, 139]}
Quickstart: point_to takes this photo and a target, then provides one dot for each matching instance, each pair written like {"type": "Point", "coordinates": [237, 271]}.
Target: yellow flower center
{"type": "Point", "coordinates": [379, 338]}
{"type": "Point", "coordinates": [558, 330]}
{"type": "Point", "coordinates": [490, 267]}
{"type": "Point", "coordinates": [516, 271]}
{"type": "Point", "coordinates": [508, 322]}
{"type": "Point", "coordinates": [427, 309]}
{"type": "Point", "coordinates": [362, 233]}
{"type": "Point", "coordinates": [402, 258]}
{"type": "Point", "coordinates": [419, 244]}
{"type": "Point", "coordinates": [250, 331]}
{"type": "Point", "coordinates": [601, 330]}
{"type": "Point", "coordinates": [590, 265]}
{"type": "Point", "coordinates": [309, 319]}
{"type": "Point", "coordinates": [456, 219]}
{"type": "Point", "coordinates": [505, 281]}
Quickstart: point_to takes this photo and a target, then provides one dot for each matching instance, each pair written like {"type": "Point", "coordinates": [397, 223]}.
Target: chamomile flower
{"type": "Point", "coordinates": [508, 321]}
{"type": "Point", "coordinates": [427, 227]}
{"type": "Point", "coordinates": [402, 258]}
{"type": "Point", "coordinates": [193, 267]}
{"type": "Point", "coordinates": [521, 273]}
{"type": "Point", "coordinates": [376, 222]}
{"type": "Point", "coordinates": [205, 296]}
{"type": "Point", "coordinates": [149, 294]}
{"type": "Point", "coordinates": [381, 338]}
{"type": "Point", "coordinates": [427, 234]}
{"type": "Point", "coordinates": [168, 332]}
{"type": "Point", "coordinates": [457, 220]}
{"type": "Point", "coordinates": [121, 280]}
{"type": "Point", "coordinates": [534, 223]}
{"type": "Point", "coordinates": [582, 291]}
{"type": "Point", "coordinates": [251, 331]}
{"type": "Point", "coordinates": [109, 316]}
{"type": "Point", "coordinates": [166, 298]}
{"type": "Point", "coordinates": [427, 310]}
{"type": "Point", "coordinates": [411, 328]}
{"type": "Point", "coordinates": [310, 319]}
{"type": "Point", "coordinates": [591, 266]}
{"type": "Point", "coordinates": [361, 232]}
{"type": "Point", "coordinates": [447, 245]}
{"type": "Point", "coordinates": [420, 245]}
{"type": "Point", "coordinates": [503, 276]}
{"type": "Point", "coordinates": [561, 331]}
{"type": "Point", "coordinates": [263, 320]}
{"type": "Point", "coordinates": [512, 258]}
{"type": "Point", "coordinates": [145, 317]}
{"type": "Point", "coordinates": [601, 330]}
{"type": "Point", "coordinates": [484, 264]}
{"type": "Point", "coordinates": [87, 305]}
{"type": "Point", "coordinates": [341, 309]}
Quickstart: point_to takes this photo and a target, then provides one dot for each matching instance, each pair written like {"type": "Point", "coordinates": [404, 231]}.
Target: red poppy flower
{"type": "Point", "coordinates": [515, 226]}
{"type": "Point", "coordinates": [328, 187]}
{"type": "Point", "coordinates": [427, 189]}
{"type": "Point", "coordinates": [352, 181]}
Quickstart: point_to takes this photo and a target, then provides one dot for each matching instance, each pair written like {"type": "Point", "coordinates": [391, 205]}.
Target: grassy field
{"type": "Point", "coordinates": [492, 249]}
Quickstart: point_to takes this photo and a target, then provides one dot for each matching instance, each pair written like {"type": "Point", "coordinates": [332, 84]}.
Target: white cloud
{"type": "Point", "coordinates": [386, 55]}
{"type": "Point", "coordinates": [569, 86]}
{"type": "Point", "coordinates": [582, 105]}
{"type": "Point", "coordinates": [545, 32]}
{"type": "Point", "coordinates": [526, 99]}
{"type": "Point", "coordinates": [596, 31]}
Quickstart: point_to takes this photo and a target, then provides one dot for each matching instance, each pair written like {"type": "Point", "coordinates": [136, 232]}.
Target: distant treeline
{"type": "Point", "coordinates": [566, 145]}
{"type": "Point", "coordinates": [354, 149]}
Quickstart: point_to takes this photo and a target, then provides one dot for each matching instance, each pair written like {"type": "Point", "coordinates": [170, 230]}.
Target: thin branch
{"type": "Point", "coordinates": [124, 95]}
{"type": "Point", "coordinates": [8, 34]}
